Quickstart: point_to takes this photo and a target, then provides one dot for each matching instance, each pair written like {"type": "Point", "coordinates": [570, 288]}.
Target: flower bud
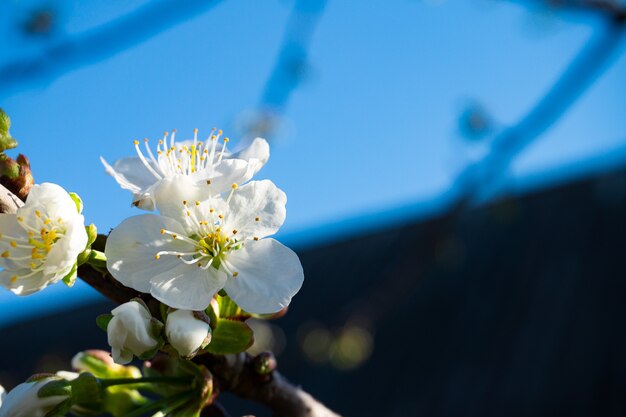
{"type": "Point", "coordinates": [100, 363]}
{"type": "Point", "coordinates": [187, 331]}
{"type": "Point", "coordinates": [6, 141]}
{"type": "Point", "coordinates": [25, 401]}
{"type": "Point", "coordinates": [131, 331]}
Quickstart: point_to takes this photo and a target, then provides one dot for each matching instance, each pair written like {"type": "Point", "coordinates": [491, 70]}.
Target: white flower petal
{"type": "Point", "coordinates": [130, 173]}
{"type": "Point", "coordinates": [132, 246]}
{"type": "Point", "coordinates": [256, 209]}
{"type": "Point", "coordinates": [170, 193]}
{"type": "Point", "coordinates": [23, 401]}
{"type": "Point", "coordinates": [128, 331]}
{"type": "Point", "coordinates": [52, 199]}
{"type": "Point", "coordinates": [185, 332]}
{"type": "Point", "coordinates": [225, 174]}
{"type": "Point", "coordinates": [25, 286]}
{"type": "Point", "coordinates": [257, 154]}
{"type": "Point", "coordinates": [269, 274]}
{"type": "Point", "coordinates": [187, 287]}
{"type": "Point", "coordinates": [63, 254]}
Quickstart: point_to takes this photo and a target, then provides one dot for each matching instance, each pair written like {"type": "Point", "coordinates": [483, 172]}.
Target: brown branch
{"type": "Point", "coordinates": [9, 202]}
{"type": "Point", "coordinates": [234, 373]}
{"type": "Point", "coordinates": [238, 374]}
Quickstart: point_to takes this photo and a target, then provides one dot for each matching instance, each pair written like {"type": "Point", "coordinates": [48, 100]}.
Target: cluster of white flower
{"type": "Point", "coordinates": [209, 233]}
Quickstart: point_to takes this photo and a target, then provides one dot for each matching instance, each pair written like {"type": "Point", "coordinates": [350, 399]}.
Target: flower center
{"type": "Point", "coordinates": [211, 245]}
{"type": "Point", "coordinates": [172, 159]}
{"type": "Point", "coordinates": [30, 250]}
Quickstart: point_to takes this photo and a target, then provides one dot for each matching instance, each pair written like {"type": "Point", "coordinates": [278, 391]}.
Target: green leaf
{"type": "Point", "coordinates": [230, 336]}
{"type": "Point", "coordinates": [103, 321]}
{"type": "Point", "coordinates": [70, 278]}
{"type": "Point", "coordinates": [78, 201]}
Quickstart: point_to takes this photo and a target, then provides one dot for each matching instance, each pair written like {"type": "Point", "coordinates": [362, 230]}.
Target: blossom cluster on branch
{"type": "Point", "coordinates": [202, 250]}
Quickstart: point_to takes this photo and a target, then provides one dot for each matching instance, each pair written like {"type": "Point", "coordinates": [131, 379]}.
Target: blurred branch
{"type": "Point", "coordinates": [9, 202]}
{"type": "Point", "coordinates": [580, 74]}
{"type": "Point", "coordinates": [100, 43]}
{"type": "Point", "coordinates": [290, 69]}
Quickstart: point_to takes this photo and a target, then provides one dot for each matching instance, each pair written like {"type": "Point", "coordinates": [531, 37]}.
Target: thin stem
{"type": "Point", "coordinates": [149, 379]}
{"type": "Point", "coordinates": [160, 404]}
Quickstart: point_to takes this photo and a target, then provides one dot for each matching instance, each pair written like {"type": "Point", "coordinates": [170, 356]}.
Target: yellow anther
{"type": "Point", "coordinates": [219, 132]}
{"type": "Point", "coordinates": [47, 221]}
{"type": "Point", "coordinates": [37, 213]}
{"type": "Point", "coordinates": [145, 140]}
{"type": "Point", "coordinates": [20, 219]}
{"type": "Point", "coordinates": [197, 203]}
{"type": "Point", "coordinates": [157, 256]}
{"type": "Point", "coordinates": [234, 231]}
{"type": "Point", "coordinates": [6, 254]}
{"type": "Point", "coordinates": [30, 234]}
{"type": "Point", "coordinates": [256, 238]}
{"type": "Point", "coordinates": [136, 142]}
{"type": "Point", "coordinates": [195, 130]}
{"type": "Point", "coordinates": [234, 186]}
{"type": "Point", "coordinates": [13, 278]}
{"type": "Point", "coordinates": [184, 202]}
{"type": "Point", "coordinates": [188, 213]}
{"type": "Point", "coordinates": [33, 265]}
{"type": "Point", "coordinates": [208, 182]}
{"type": "Point", "coordinates": [226, 140]}
{"type": "Point", "coordinates": [13, 244]}
{"type": "Point", "coordinates": [162, 231]}
{"type": "Point", "coordinates": [235, 274]}
{"type": "Point", "coordinates": [175, 236]}
{"type": "Point", "coordinates": [160, 152]}
{"type": "Point", "coordinates": [220, 216]}
{"type": "Point", "coordinates": [256, 219]}
{"type": "Point", "coordinates": [160, 142]}
{"type": "Point", "coordinates": [211, 210]}
{"type": "Point", "coordinates": [199, 264]}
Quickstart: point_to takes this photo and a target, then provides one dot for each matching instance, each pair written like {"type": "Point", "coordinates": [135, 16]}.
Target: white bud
{"type": "Point", "coordinates": [2, 394]}
{"type": "Point", "coordinates": [129, 332]}
{"type": "Point", "coordinates": [23, 401]}
{"type": "Point", "coordinates": [186, 332]}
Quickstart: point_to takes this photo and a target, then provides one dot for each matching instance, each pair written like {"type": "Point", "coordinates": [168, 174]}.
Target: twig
{"type": "Point", "coordinates": [236, 374]}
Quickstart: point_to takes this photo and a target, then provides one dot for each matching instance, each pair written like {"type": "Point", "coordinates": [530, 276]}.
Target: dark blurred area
{"type": "Point", "coordinates": [515, 308]}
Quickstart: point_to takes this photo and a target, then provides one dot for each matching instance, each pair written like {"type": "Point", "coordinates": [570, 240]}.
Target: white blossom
{"type": "Point", "coordinates": [40, 243]}
{"type": "Point", "coordinates": [2, 394]}
{"type": "Point", "coordinates": [186, 332]}
{"type": "Point", "coordinates": [23, 401]}
{"type": "Point", "coordinates": [129, 332]}
{"type": "Point", "coordinates": [196, 248]}
{"type": "Point", "coordinates": [201, 161]}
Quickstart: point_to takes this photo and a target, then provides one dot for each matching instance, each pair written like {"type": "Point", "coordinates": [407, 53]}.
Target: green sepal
{"type": "Point", "coordinates": [230, 336]}
{"type": "Point", "coordinates": [6, 140]}
{"type": "Point", "coordinates": [87, 392]}
{"type": "Point", "coordinates": [92, 234]}
{"type": "Point", "coordinates": [61, 409]}
{"type": "Point", "coordinates": [103, 321]}
{"type": "Point", "coordinates": [55, 388]}
{"type": "Point", "coordinates": [70, 278]}
{"type": "Point", "coordinates": [228, 309]}
{"type": "Point", "coordinates": [78, 201]}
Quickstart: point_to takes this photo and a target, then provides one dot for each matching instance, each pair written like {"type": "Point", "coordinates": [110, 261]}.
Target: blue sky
{"type": "Point", "coordinates": [373, 127]}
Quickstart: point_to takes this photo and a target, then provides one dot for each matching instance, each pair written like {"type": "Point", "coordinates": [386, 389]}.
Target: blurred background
{"type": "Point", "coordinates": [456, 173]}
